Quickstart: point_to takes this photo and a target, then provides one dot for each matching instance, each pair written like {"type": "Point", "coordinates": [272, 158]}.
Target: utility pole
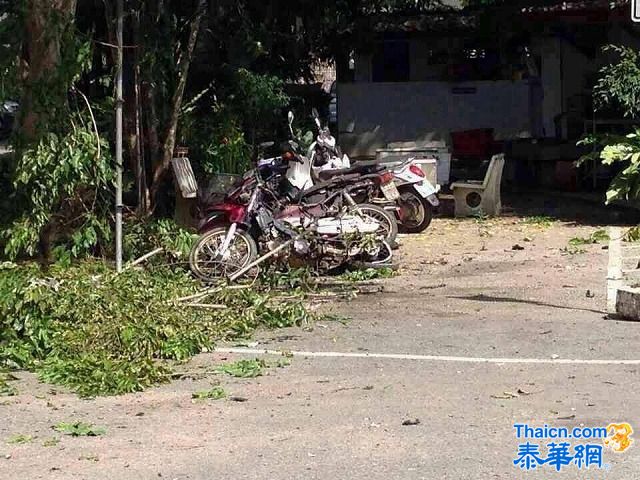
{"type": "Point", "coordinates": [119, 103]}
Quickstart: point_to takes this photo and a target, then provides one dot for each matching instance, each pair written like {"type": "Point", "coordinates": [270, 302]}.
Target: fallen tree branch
{"type": "Point", "coordinates": [145, 257]}
{"type": "Point", "coordinates": [210, 306]}
{"type": "Point", "coordinates": [211, 291]}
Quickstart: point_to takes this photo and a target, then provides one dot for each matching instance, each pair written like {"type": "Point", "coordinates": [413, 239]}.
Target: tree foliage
{"type": "Point", "coordinates": [62, 184]}
{"type": "Point", "coordinates": [206, 74]}
{"type": "Point", "coordinates": [619, 88]}
{"type": "Point", "coordinates": [619, 83]}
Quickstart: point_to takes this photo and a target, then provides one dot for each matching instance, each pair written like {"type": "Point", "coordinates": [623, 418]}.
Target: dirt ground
{"type": "Point", "coordinates": [469, 292]}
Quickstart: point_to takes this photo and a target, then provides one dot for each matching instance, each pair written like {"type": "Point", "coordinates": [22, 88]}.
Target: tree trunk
{"type": "Point", "coordinates": [41, 55]}
{"type": "Point", "coordinates": [176, 104]}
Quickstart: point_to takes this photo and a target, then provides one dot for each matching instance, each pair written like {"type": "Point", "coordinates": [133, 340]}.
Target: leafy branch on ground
{"type": "Point", "coordinates": [244, 368]}
{"type": "Point", "coordinates": [542, 221]}
{"type": "Point", "coordinates": [20, 439]}
{"type": "Point", "coordinates": [6, 389]}
{"type": "Point", "coordinates": [51, 442]}
{"type": "Point", "coordinates": [100, 333]}
{"type": "Point", "coordinates": [632, 235]}
{"type": "Point", "coordinates": [79, 429]}
{"type": "Point", "coordinates": [599, 236]}
{"type": "Point", "coordinates": [216, 393]}
{"type": "Point", "coordinates": [367, 274]}
{"type": "Point", "coordinates": [572, 250]}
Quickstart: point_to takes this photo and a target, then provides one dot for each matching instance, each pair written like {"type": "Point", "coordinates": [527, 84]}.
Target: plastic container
{"type": "Point", "coordinates": [472, 143]}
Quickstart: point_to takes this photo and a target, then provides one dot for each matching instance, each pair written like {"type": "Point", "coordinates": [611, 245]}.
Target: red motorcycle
{"type": "Point", "coordinates": [327, 197]}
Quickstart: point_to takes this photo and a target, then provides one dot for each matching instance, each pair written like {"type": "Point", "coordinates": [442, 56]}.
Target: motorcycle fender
{"type": "Point", "coordinates": [428, 191]}
{"type": "Point", "coordinates": [211, 221]}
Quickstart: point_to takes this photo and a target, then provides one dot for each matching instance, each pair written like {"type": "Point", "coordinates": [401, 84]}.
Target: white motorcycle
{"type": "Point", "coordinates": [418, 197]}
{"type": "Point", "coordinates": [411, 197]}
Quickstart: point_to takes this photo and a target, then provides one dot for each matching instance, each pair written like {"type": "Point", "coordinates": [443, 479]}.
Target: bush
{"type": "Point", "coordinates": [245, 111]}
{"type": "Point", "coordinates": [61, 187]}
{"type": "Point", "coordinates": [100, 333]}
{"type": "Point", "coordinates": [619, 88]}
{"type": "Point", "coordinates": [142, 235]}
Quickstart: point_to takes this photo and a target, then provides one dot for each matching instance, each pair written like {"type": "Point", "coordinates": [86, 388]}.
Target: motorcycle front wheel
{"type": "Point", "coordinates": [388, 223]}
{"type": "Point", "coordinates": [208, 264]}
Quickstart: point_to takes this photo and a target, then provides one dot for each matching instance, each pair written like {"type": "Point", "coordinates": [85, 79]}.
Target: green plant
{"type": "Point", "coordinates": [619, 83]}
{"type": "Point", "coordinates": [62, 185]}
{"type": "Point", "coordinates": [619, 88]}
{"type": "Point", "coordinates": [230, 153]}
{"type": "Point", "coordinates": [79, 429]}
{"type": "Point", "coordinates": [480, 217]}
{"type": "Point", "coordinates": [283, 276]}
{"type": "Point", "coordinates": [612, 149]}
{"type": "Point", "coordinates": [257, 99]}
{"type": "Point", "coordinates": [142, 235]}
{"type": "Point", "coordinates": [216, 393]}
{"type": "Point", "coordinates": [243, 368]}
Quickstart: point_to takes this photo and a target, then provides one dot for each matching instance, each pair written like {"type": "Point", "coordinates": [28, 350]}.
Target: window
{"type": "Point", "coordinates": [390, 62]}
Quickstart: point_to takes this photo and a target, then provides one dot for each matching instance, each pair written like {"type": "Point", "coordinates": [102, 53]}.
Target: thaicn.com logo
{"type": "Point", "coordinates": [561, 447]}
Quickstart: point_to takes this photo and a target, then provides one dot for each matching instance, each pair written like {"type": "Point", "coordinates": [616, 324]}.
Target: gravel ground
{"type": "Point", "coordinates": [463, 294]}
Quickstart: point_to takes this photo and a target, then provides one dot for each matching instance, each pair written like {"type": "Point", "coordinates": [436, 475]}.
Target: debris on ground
{"type": "Point", "coordinates": [118, 338]}
{"type": "Point", "coordinates": [505, 396]}
{"type": "Point", "coordinates": [216, 393]}
{"type": "Point", "coordinates": [411, 422]}
{"type": "Point", "coordinates": [244, 368]}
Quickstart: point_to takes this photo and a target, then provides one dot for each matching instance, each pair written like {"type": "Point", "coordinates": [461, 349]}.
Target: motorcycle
{"type": "Point", "coordinates": [412, 201]}
{"type": "Point", "coordinates": [287, 175]}
{"type": "Point", "coordinates": [417, 199]}
{"type": "Point", "coordinates": [299, 234]}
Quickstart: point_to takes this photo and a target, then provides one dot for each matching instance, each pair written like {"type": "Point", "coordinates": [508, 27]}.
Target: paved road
{"type": "Point", "coordinates": [464, 294]}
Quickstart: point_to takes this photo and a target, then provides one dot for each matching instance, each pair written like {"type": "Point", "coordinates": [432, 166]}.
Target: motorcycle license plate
{"type": "Point", "coordinates": [390, 191]}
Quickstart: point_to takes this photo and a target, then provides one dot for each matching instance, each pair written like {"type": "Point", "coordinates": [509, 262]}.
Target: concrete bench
{"type": "Point", "coordinates": [480, 197]}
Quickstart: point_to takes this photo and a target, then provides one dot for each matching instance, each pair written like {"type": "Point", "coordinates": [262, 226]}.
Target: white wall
{"type": "Point", "coordinates": [421, 110]}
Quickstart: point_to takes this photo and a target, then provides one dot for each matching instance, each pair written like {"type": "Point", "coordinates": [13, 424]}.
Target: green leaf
{"type": "Point", "coordinates": [79, 429]}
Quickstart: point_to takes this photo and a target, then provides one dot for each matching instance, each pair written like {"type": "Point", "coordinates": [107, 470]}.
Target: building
{"type": "Point", "coordinates": [523, 71]}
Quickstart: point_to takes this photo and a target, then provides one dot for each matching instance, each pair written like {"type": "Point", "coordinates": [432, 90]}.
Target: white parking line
{"type": "Point", "coordinates": [430, 358]}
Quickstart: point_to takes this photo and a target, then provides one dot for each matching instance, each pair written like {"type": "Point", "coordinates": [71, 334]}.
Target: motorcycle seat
{"type": "Point", "coordinates": [361, 168]}
{"type": "Point", "coordinates": [318, 187]}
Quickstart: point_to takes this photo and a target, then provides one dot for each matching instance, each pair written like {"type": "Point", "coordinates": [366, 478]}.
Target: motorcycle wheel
{"type": "Point", "coordinates": [203, 259]}
{"type": "Point", "coordinates": [387, 221]}
{"type": "Point", "coordinates": [415, 212]}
